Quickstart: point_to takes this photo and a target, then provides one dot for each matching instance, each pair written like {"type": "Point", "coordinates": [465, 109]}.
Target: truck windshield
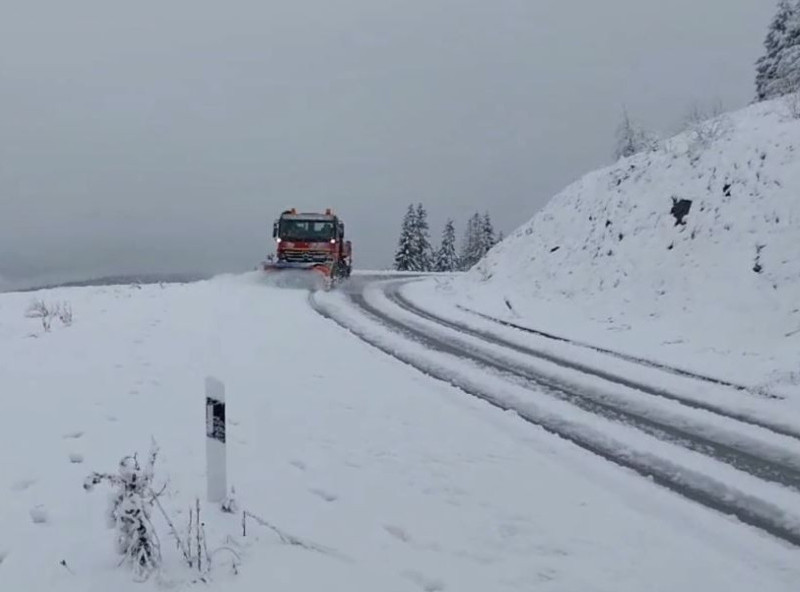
{"type": "Point", "coordinates": [306, 230]}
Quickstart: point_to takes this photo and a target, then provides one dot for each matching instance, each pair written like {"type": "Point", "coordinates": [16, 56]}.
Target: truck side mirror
{"type": "Point", "coordinates": [274, 230]}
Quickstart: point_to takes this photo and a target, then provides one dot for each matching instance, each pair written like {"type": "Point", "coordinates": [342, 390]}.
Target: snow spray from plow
{"type": "Point", "coordinates": [296, 279]}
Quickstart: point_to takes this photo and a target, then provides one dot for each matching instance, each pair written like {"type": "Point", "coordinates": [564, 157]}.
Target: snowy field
{"type": "Point", "coordinates": [614, 261]}
{"type": "Point", "coordinates": [399, 482]}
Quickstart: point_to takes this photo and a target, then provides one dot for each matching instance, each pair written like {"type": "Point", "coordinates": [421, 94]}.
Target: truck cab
{"type": "Point", "coordinates": [313, 238]}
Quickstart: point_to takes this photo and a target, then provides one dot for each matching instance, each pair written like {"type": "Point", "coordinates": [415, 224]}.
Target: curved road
{"type": "Point", "coordinates": [767, 465]}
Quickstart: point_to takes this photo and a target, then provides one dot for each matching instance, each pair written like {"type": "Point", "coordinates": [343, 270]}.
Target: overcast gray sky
{"type": "Point", "coordinates": [166, 136]}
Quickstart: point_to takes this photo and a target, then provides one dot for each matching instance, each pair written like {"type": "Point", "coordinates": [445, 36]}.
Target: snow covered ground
{"type": "Point", "coordinates": [608, 262]}
{"type": "Point", "coordinates": [404, 482]}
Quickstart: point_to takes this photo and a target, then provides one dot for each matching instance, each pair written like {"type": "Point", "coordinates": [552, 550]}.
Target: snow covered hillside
{"type": "Point", "coordinates": [688, 253]}
{"type": "Point", "coordinates": [384, 478]}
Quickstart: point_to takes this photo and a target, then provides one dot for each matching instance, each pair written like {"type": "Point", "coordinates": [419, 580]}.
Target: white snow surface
{"type": "Point", "coordinates": [408, 483]}
{"type": "Point", "coordinates": [694, 468]}
{"type": "Point", "coordinates": [604, 260]}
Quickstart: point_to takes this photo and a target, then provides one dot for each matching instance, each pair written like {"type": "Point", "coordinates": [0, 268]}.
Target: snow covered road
{"type": "Point", "coordinates": [718, 439]}
{"type": "Point", "coordinates": [413, 485]}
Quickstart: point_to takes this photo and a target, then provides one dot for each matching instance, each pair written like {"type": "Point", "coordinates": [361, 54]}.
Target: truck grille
{"type": "Point", "coordinates": [301, 256]}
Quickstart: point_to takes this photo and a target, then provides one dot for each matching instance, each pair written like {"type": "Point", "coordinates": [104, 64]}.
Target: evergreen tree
{"type": "Point", "coordinates": [626, 138]}
{"type": "Point", "coordinates": [463, 255]}
{"type": "Point", "coordinates": [446, 258]}
{"type": "Point", "coordinates": [778, 70]}
{"type": "Point", "coordinates": [405, 254]}
{"type": "Point", "coordinates": [422, 259]}
{"type": "Point", "coordinates": [632, 138]}
{"type": "Point", "coordinates": [471, 245]}
{"type": "Point", "coordinates": [488, 239]}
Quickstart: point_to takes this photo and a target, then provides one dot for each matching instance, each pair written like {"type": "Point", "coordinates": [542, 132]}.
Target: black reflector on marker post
{"type": "Point", "coordinates": [216, 470]}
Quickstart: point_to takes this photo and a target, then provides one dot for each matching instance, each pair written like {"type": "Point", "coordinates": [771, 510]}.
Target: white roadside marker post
{"type": "Point", "coordinates": [216, 469]}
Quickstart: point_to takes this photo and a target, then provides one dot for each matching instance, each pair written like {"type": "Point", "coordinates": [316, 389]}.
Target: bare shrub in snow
{"type": "Point", "coordinates": [39, 309]}
{"type": "Point", "coordinates": [706, 125]}
{"type": "Point", "coordinates": [697, 113]}
{"type": "Point", "coordinates": [64, 313]}
{"type": "Point", "coordinates": [129, 511]}
{"type": "Point", "coordinates": [195, 550]}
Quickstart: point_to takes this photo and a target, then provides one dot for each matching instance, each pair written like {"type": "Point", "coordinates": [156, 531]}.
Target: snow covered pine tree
{"type": "Point", "coordinates": [471, 245]}
{"type": "Point", "coordinates": [479, 238]}
{"type": "Point", "coordinates": [446, 258]}
{"type": "Point", "coordinates": [423, 253]}
{"type": "Point", "coordinates": [488, 239]}
{"type": "Point", "coordinates": [632, 138]}
{"type": "Point", "coordinates": [404, 256]}
{"type": "Point", "coordinates": [778, 70]}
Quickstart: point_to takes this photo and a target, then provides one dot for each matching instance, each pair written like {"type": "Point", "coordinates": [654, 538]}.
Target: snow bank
{"type": "Point", "coordinates": [693, 246]}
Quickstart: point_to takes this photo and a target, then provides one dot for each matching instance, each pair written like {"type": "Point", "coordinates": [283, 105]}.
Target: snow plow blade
{"type": "Point", "coordinates": [300, 276]}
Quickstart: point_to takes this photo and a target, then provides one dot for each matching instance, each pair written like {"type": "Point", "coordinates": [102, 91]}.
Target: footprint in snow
{"type": "Point", "coordinates": [425, 583]}
{"type": "Point", "coordinates": [3, 555]}
{"type": "Point", "coordinates": [397, 532]}
{"type": "Point", "coordinates": [23, 484]}
{"type": "Point", "coordinates": [327, 496]}
{"type": "Point", "coordinates": [73, 435]}
{"type": "Point", "coordinates": [39, 515]}
{"type": "Point", "coordinates": [299, 464]}
{"type": "Point", "coordinates": [75, 458]}
{"type": "Point", "coordinates": [111, 418]}
{"type": "Point", "coordinates": [546, 575]}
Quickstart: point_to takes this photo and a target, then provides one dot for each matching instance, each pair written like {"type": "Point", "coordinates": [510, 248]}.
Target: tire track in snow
{"type": "Point", "coordinates": [768, 463]}
{"type": "Point", "coordinates": [623, 356]}
{"type": "Point", "coordinates": [649, 389]}
{"type": "Point", "coordinates": [688, 483]}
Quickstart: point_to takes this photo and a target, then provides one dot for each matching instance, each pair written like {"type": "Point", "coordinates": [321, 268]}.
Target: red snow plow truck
{"type": "Point", "coordinates": [310, 250]}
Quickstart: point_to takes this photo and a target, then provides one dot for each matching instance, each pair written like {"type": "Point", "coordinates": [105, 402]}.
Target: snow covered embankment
{"type": "Point", "coordinates": [687, 254]}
